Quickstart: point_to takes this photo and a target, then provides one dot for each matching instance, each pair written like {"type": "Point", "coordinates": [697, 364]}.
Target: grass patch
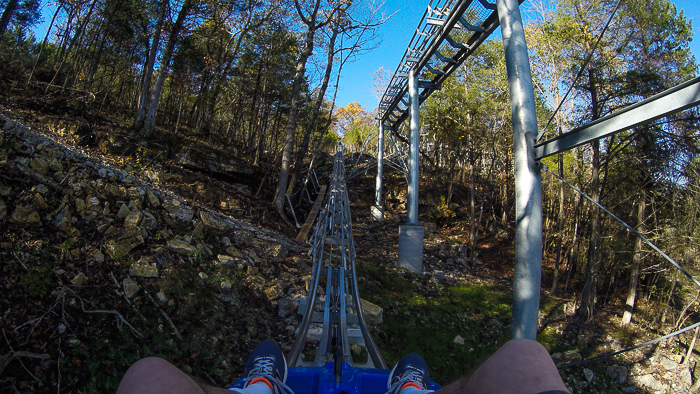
{"type": "Point", "coordinates": [425, 317]}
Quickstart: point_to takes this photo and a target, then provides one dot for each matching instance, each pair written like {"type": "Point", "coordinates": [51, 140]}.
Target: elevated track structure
{"type": "Point", "coordinates": [448, 33]}
{"type": "Point", "coordinates": [332, 313]}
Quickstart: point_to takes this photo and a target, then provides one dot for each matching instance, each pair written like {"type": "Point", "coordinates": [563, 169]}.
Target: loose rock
{"type": "Point", "coordinates": [26, 216]}
{"type": "Point", "coordinates": [178, 210]}
{"type": "Point", "coordinates": [130, 287]}
{"type": "Point", "coordinates": [123, 242]}
{"type": "Point", "coordinates": [143, 269]}
{"type": "Point", "coordinates": [181, 247]}
{"type": "Point", "coordinates": [79, 280]}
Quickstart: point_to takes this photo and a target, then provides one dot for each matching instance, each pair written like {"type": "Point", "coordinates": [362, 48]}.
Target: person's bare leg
{"type": "Point", "coordinates": [155, 375]}
{"type": "Point", "coordinates": [519, 366]}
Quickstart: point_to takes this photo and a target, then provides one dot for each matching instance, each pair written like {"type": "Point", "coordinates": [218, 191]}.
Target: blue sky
{"type": "Point", "coordinates": [356, 81]}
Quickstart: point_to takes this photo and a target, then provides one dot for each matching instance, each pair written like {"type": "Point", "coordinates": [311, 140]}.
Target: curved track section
{"type": "Point", "coordinates": [333, 318]}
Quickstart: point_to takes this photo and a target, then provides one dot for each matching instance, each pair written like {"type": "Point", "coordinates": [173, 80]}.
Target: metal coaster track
{"type": "Point", "coordinates": [333, 257]}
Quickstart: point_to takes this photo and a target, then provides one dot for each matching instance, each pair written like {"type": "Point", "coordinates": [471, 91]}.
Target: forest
{"type": "Point", "coordinates": [258, 79]}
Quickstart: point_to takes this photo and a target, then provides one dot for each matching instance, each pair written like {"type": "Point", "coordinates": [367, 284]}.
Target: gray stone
{"type": "Point", "coordinates": [667, 364]}
{"type": "Point", "coordinates": [233, 251]}
{"type": "Point", "coordinates": [686, 377]}
{"type": "Point", "coordinates": [149, 221]}
{"type": "Point", "coordinates": [135, 205]}
{"type": "Point", "coordinates": [115, 191]}
{"type": "Point", "coordinates": [143, 269]}
{"type": "Point", "coordinates": [39, 165]}
{"type": "Point", "coordinates": [80, 206]}
{"type": "Point", "coordinates": [124, 211]}
{"type": "Point", "coordinates": [79, 280]}
{"type": "Point", "coordinates": [617, 373]}
{"type": "Point", "coordinates": [134, 218]}
{"type": "Point", "coordinates": [287, 306]}
{"type": "Point", "coordinates": [136, 193]}
{"type": "Point", "coordinates": [180, 246]}
{"type": "Point", "coordinates": [62, 220]}
{"type": "Point", "coordinates": [98, 256]}
{"type": "Point", "coordinates": [629, 390]}
{"type": "Point", "coordinates": [439, 275]}
{"type": "Point", "coordinates": [277, 253]}
{"type": "Point", "coordinates": [225, 241]}
{"type": "Point", "coordinates": [124, 241]}
{"type": "Point", "coordinates": [225, 286]}
{"type": "Point", "coordinates": [588, 374]}
{"type": "Point", "coordinates": [93, 204]}
{"type": "Point", "coordinates": [569, 357]}
{"type": "Point", "coordinates": [102, 227]}
{"type": "Point", "coordinates": [649, 381]}
{"type": "Point", "coordinates": [225, 259]}
{"type": "Point", "coordinates": [212, 222]}
{"type": "Point", "coordinates": [26, 216]}
{"type": "Point", "coordinates": [458, 340]}
{"type": "Point", "coordinates": [372, 312]}
{"type": "Point", "coordinates": [152, 198]}
{"type": "Point", "coordinates": [130, 287]}
{"type": "Point", "coordinates": [178, 210]}
{"type": "Point", "coordinates": [198, 230]}
{"type": "Point", "coordinates": [254, 257]}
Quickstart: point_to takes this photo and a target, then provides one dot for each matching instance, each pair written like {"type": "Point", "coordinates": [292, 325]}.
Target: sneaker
{"type": "Point", "coordinates": [266, 363]}
{"type": "Point", "coordinates": [409, 371]}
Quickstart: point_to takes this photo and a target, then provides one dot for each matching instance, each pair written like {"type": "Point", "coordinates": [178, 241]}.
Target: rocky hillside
{"type": "Point", "coordinates": [101, 268]}
{"type": "Point", "coordinates": [109, 257]}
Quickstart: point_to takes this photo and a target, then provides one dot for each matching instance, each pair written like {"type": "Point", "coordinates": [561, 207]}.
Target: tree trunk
{"type": "Point", "coordinates": [278, 202]}
{"type": "Point", "coordinates": [298, 162]}
{"type": "Point", "coordinates": [149, 123]}
{"type": "Point", "coordinates": [6, 16]}
{"type": "Point", "coordinates": [560, 226]}
{"type": "Point", "coordinates": [74, 40]}
{"type": "Point", "coordinates": [148, 70]}
{"type": "Point", "coordinates": [586, 310]}
{"type": "Point", "coordinates": [637, 261]}
{"type": "Point", "coordinates": [472, 198]}
{"type": "Point", "coordinates": [43, 43]}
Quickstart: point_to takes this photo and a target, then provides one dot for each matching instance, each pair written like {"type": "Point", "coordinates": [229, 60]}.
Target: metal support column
{"type": "Point", "coordinates": [528, 183]}
{"type": "Point", "coordinates": [378, 208]}
{"type": "Point", "coordinates": [411, 233]}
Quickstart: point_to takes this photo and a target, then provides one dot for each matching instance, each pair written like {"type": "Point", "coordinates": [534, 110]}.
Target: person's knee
{"type": "Point", "coordinates": [149, 364]}
{"type": "Point", "coordinates": [522, 345]}
{"type": "Point", "coordinates": [142, 372]}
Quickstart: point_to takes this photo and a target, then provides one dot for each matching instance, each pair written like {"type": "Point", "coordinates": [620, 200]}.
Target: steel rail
{"type": "Point", "coordinates": [333, 253]}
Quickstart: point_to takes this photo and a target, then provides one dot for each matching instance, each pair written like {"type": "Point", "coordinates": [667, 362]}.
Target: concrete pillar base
{"type": "Point", "coordinates": [411, 247]}
{"type": "Point", "coordinates": [378, 213]}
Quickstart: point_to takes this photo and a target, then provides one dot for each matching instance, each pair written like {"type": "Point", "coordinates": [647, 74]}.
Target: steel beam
{"type": "Point", "coordinates": [378, 209]}
{"type": "Point", "coordinates": [674, 100]}
{"type": "Point", "coordinates": [528, 183]}
{"type": "Point", "coordinates": [414, 136]}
